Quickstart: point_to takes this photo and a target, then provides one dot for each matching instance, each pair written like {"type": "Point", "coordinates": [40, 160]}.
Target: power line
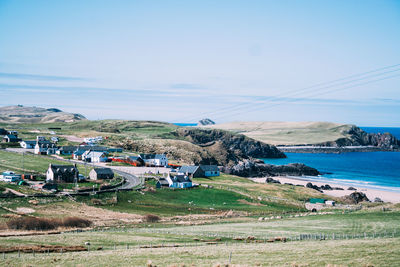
{"type": "Point", "coordinates": [330, 83]}
{"type": "Point", "coordinates": [319, 94]}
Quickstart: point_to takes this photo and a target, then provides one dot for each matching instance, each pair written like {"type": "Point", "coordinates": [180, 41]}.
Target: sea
{"type": "Point", "coordinates": [379, 170]}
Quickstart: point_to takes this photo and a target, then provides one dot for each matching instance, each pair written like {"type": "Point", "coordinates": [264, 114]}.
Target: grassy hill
{"type": "Point", "coordinates": [21, 114]}
{"type": "Point", "coordinates": [288, 133]}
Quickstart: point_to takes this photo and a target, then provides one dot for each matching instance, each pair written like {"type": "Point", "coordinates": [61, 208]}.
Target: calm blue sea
{"type": "Point", "coordinates": [185, 124]}
{"type": "Point", "coordinates": [366, 169]}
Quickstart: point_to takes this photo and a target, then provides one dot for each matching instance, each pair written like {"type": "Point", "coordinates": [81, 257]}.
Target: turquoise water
{"type": "Point", "coordinates": [367, 169]}
{"type": "Point", "coordinates": [184, 124]}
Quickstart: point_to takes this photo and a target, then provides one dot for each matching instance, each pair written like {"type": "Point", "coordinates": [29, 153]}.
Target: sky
{"type": "Point", "coordinates": [181, 61]}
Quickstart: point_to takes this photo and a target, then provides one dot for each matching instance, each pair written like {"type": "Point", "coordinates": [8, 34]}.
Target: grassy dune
{"type": "Point", "coordinates": [287, 133]}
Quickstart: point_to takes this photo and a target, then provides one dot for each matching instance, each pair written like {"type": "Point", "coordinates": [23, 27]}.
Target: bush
{"type": "Point", "coordinates": [41, 224]}
{"type": "Point", "coordinates": [76, 222]}
{"type": "Point", "coordinates": [33, 223]}
{"type": "Point", "coordinates": [151, 218]}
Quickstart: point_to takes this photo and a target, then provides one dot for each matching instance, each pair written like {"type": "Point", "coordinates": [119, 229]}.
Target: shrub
{"type": "Point", "coordinates": [33, 223]}
{"type": "Point", "coordinates": [40, 224]}
{"type": "Point", "coordinates": [76, 222]}
{"type": "Point", "coordinates": [151, 218]}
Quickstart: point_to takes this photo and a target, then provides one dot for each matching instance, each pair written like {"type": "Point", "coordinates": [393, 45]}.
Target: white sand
{"type": "Point", "coordinates": [386, 196]}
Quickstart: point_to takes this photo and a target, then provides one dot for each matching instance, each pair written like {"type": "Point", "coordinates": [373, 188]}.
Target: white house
{"type": "Point", "coordinates": [155, 159]}
{"type": "Point", "coordinates": [28, 144]}
{"type": "Point", "coordinates": [94, 156]}
{"type": "Point", "coordinates": [179, 181]}
{"type": "Point", "coordinates": [45, 148]}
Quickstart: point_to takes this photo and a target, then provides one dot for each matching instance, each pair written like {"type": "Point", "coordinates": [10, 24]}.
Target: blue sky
{"type": "Point", "coordinates": [185, 60]}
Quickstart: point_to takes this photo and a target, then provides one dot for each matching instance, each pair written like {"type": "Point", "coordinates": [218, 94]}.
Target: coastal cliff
{"type": "Point", "coordinates": [358, 137]}
{"type": "Point", "coordinates": [257, 168]}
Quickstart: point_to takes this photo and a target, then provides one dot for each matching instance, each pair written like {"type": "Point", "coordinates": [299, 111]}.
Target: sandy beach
{"type": "Point", "coordinates": [386, 196]}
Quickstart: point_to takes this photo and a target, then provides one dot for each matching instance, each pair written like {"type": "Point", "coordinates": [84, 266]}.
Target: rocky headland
{"type": "Point", "coordinates": [257, 168]}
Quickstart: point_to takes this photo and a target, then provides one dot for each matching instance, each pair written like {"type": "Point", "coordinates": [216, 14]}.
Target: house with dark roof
{"type": "Point", "coordinates": [136, 161]}
{"type": "Point", "coordinates": [66, 150]}
{"type": "Point", "coordinates": [101, 174]}
{"type": "Point", "coordinates": [45, 148]}
{"type": "Point", "coordinates": [158, 160]}
{"type": "Point", "coordinates": [162, 182]}
{"type": "Point", "coordinates": [10, 138]}
{"type": "Point", "coordinates": [179, 181]}
{"type": "Point", "coordinates": [62, 173]}
{"type": "Point", "coordinates": [210, 170]}
{"type": "Point", "coordinates": [192, 171]}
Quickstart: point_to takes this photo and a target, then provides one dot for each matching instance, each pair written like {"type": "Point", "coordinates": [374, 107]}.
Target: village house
{"type": "Point", "coordinates": [45, 148]}
{"type": "Point", "coordinates": [28, 144]}
{"type": "Point", "coordinates": [101, 174]}
{"type": "Point", "coordinates": [77, 154]}
{"type": "Point", "coordinates": [135, 161]}
{"type": "Point", "coordinates": [162, 182]}
{"type": "Point", "coordinates": [94, 156]}
{"type": "Point", "coordinates": [210, 170]}
{"type": "Point", "coordinates": [62, 173]}
{"type": "Point", "coordinates": [192, 171]}
{"type": "Point", "coordinates": [10, 138]}
{"type": "Point", "coordinates": [158, 160]}
{"type": "Point", "coordinates": [66, 150]}
{"type": "Point", "coordinates": [179, 181]}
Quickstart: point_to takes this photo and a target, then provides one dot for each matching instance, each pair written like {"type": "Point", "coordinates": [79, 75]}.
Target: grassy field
{"type": "Point", "coordinates": [30, 163]}
{"type": "Point", "coordinates": [287, 133]}
{"type": "Point", "coordinates": [226, 192]}
{"type": "Point", "coordinates": [121, 248]}
{"type": "Point", "coordinates": [382, 252]}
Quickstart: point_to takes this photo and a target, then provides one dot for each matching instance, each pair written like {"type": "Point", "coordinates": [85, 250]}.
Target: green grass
{"type": "Point", "coordinates": [185, 201]}
{"type": "Point", "coordinates": [383, 252]}
{"type": "Point", "coordinates": [31, 163]}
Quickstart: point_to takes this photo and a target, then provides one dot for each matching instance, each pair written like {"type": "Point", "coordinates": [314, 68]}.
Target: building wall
{"type": "Point", "coordinates": [211, 173]}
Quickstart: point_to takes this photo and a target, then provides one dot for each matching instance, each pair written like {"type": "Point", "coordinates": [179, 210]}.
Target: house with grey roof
{"type": "Point", "coordinates": [192, 171]}
{"type": "Point", "coordinates": [158, 160]}
{"type": "Point", "coordinates": [95, 156]}
{"type": "Point", "coordinates": [101, 174]}
{"type": "Point", "coordinates": [210, 170]}
{"type": "Point", "coordinates": [179, 181]}
{"type": "Point", "coordinates": [62, 173]}
{"type": "Point", "coordinates": [66, 150]}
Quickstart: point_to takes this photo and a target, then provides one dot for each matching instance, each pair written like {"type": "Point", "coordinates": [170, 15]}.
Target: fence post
{"type": "Point", "coordinates": [230, 257]}
{"type": "Point", "coordinates": [19, 253]}
{"type": "Point", "coordinates": [4, 255]}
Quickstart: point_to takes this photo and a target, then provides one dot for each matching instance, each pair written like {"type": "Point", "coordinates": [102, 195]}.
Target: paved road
{"type": "Point", "coordinates": [131, 179]}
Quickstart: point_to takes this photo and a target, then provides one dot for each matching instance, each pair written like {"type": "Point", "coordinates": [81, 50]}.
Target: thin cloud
{"type": "Point", "coordinates": [26, 76]}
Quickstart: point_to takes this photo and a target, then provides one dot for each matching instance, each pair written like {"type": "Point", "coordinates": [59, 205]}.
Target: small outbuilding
{"type": "Point", "coordinates": [101, 174]}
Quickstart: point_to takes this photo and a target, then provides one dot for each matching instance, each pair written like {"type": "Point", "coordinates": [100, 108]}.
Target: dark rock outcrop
{"type": "Point", "coordinates": [257, 168]}
{"type": "Point", "coordinates": [228, 148]}
{"type": "Point", "coordinates": [355, 197]}
{"type": "Point", "coordinates": [205, 122]}
{"type": "Point", "coordinates": [358, 137]}
{"type": "Point", "coordinates": [313, 186]}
